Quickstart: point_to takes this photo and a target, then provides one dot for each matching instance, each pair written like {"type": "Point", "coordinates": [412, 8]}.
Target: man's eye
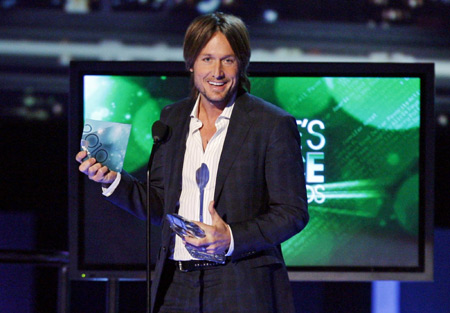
{"type": "Point", "coordinates": [206, 59]}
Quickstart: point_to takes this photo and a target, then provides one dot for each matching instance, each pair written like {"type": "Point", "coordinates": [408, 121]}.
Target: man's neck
{"type": "Point", "coordinates": [208, 112]}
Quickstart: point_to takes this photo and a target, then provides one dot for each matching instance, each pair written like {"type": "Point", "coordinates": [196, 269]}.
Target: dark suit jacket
{"type": "Point", "coordinates": [260, 189]}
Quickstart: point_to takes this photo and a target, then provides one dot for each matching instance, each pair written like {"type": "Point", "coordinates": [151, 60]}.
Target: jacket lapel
{"type": "Point", "coordinates": [240, 123]}
{"type": "Point", "coordinates": [180, 128]}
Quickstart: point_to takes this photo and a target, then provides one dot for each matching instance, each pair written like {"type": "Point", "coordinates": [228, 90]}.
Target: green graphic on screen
{"type": "Point", "coordinates": [360, 144]}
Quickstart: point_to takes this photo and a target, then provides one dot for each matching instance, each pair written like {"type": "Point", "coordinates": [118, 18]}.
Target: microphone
{"type": "Point", "coordinates": [160, 132]}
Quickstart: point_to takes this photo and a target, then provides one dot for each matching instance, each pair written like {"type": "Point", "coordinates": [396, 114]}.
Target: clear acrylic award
{"type": "Point", "coordinates": [183, 227]}
{"type": "Point", "coordinates": [106, 142]}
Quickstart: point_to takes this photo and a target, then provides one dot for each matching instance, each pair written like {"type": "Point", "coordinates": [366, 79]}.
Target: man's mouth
{"type": "Point", "coordinates": [216, 83]}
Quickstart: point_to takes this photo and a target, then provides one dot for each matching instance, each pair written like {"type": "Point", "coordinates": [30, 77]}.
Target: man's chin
{"type": "Point", "coordinates": [218, 101]}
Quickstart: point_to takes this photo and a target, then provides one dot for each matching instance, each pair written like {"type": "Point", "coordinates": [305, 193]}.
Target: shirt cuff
{"type": "Point", "coordinates": [109, 191]}
{"type": "Point", "coordinates": [231, 248]}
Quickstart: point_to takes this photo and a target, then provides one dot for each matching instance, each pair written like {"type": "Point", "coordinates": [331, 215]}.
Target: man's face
{"type": "Point", "coordinates": [216, 71]}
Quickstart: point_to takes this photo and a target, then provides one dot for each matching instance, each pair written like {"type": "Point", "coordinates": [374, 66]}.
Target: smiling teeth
{"type": "Point", "coordinates": [216, 84]}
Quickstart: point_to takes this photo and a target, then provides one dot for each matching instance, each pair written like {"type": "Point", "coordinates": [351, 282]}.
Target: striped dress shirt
{"type": "Point", "coordinates": [194, 157]}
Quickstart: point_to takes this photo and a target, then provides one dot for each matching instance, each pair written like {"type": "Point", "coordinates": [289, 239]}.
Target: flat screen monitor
{"type": "Point", "coordinates": [368, 150]}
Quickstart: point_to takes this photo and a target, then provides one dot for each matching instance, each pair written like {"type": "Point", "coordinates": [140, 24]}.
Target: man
{"type": "Point", "coordinates": [247, 151]}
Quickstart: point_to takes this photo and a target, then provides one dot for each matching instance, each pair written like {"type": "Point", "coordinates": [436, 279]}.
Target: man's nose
{"type": "Point", "coordinates": [218, 70]}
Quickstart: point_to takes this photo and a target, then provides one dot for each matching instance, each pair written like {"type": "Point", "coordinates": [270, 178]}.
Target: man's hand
{"type": "Point", "coordinates": [218, 237]}
{"type": "Point", "coordinates": [95, 171]}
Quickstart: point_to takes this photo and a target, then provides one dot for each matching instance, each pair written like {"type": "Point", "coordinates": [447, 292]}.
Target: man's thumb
{"type": "Point", "coordinates": [212, 211]}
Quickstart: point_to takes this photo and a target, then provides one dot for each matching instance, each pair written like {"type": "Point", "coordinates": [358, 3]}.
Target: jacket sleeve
{"type": "Point", "coordinates": [131, 194]}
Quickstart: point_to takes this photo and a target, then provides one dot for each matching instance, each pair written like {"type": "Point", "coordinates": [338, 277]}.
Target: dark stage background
{"type": "Point", "coordinates": [39, 38]}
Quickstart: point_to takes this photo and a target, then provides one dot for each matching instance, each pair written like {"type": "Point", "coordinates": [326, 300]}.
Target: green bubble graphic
{"type": "Point", "coordinates": [302, 96]}
{"type": "Point", "coordinates": [384, 103]}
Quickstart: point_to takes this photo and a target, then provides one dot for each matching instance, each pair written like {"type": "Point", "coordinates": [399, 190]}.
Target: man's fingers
{"type": "Point", "coordinates": [104, 175]}
{"type": "Point", "coordinates": [92, 171]}
{"type": "Point", "coordinates": [86, 165]}
{"type": "Point", "coordinates": [99, 175]}
{"type": "Point", "coordinates": [200, 247]}
{"type": "Point", "coordinates": [193, 241]}
{"type": "Point", "coordinates": [80, 156]}
{"type": "Point", "coordinates": [95, 171]}
{"type": "Point", "coordinates": [103, 171]}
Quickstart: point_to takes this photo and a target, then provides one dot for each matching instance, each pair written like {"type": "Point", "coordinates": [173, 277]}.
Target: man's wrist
{"type": "Point", "coordinates": [231, 246]}
{"type": "Point", "coordinates": [108, 189]}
